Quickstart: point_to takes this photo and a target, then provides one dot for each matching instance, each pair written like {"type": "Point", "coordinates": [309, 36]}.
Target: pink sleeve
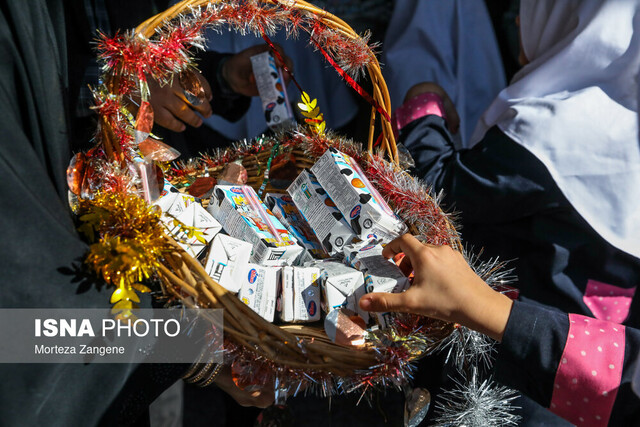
{"type": "Point", "coordinates": [589, 372]}
{"type": "Point", "coordinates": [416, 107]}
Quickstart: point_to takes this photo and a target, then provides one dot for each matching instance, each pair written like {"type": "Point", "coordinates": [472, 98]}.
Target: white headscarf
{"type": "Point", "coordinates": [574, 106]}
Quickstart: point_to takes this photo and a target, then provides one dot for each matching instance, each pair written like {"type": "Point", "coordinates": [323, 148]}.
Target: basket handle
{"type": "Point", "coordinates": [380, 92]}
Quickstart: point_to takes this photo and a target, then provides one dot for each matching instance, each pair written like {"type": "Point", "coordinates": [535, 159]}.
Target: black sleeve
{"type": "Point", "coordinates": [535, 345]}
{"type": "Point", "coordinates": [497, 180]}
{"type": "Point", "coordinates": [225, 103]}
{"type": "Point", "coordinates": [534, 338]}
{"type": "Point", "coordinates": [626, 409]}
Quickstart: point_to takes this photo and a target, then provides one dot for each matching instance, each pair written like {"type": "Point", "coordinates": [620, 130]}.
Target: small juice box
{"type": "Point", "coordinates": [343, 286]}
{"type": "Point", "coordinates": [380, 274]}
{"type": "Point", "coordinates": [272, 90]}
{"type": "Point", "coordinates": [182, 208]}
{"type": "Point", "coordinates": [227, 261]}
{"type": "Point", "coordinates": [245, 217]}
{"type": "Point", "coordinates": [300, 294]}
{"type": "Point", "coordinates": [286, 211]}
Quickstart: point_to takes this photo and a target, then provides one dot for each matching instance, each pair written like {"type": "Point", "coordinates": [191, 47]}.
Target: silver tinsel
{"type": "Point", "coordinates": [476, 403]}
{"type": "Point", "coordinates": [466, 347]}
{"type": "Point", "coordinates": [493, 272]}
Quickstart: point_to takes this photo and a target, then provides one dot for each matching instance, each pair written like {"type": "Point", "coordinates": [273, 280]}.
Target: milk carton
{"type": "Point", "coordinates": [272, 91]}
{"type": "Point", "coordinates": [342, 286]}
{"type": "Point", "coordinates": [181, 209]}
{"type": "Point", "coordinates": [367, 212]}
{"type": "Point", "coordinates": [320, 212]}
{"type": "Point", "coordinates": [227, 261]}
{"type": "Point", "coordinates": [380, 274]}
{"type": "Point", "coordinates": [282, 206]}
{"type": "Point", "coordinates": [300, 294]}
{"type": "Point", "coordinates": [259, 289]}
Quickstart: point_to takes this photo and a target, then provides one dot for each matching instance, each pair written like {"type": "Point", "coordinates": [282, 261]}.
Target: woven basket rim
{"type": "Point", "coordinates": [185, 278]}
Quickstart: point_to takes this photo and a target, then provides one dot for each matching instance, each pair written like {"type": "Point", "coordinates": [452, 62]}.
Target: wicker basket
{"type": "Point", "coordinates": [297, 347]}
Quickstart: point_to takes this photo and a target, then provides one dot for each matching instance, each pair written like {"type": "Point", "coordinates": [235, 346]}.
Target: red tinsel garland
{"type": "Point", "coordinates": [135, 58]}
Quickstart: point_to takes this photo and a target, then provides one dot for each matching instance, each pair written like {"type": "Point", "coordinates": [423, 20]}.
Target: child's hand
{"type": "Point", "coordinates": [444, 288]}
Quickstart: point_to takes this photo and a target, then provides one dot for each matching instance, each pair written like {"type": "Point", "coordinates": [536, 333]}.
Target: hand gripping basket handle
{"type": "Point", "coordinates": [380, 92]}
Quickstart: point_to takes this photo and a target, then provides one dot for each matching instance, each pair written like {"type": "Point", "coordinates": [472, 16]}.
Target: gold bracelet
{"type": "Point", "coordinates": [203, 370]}
{"type": "Point", "coordinates": [196, 366]}
{"type": "Point", "coordinates": [203, 374]}
{"type": "Point", "coordinates": [212, 376]}
{"type": "Point", "coordinates": [191, 371]}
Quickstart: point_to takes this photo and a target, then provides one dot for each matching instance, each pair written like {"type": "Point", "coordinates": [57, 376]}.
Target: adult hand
{"type": "Point", "coordinates": [453, 119]}
{"type": "Point", "coordinates": [261, 398]}
{"type": "Point", "coordinates": [444, 287]}
{"type": "Point", "coordinates": [238, 72]}
{"type": "Point", "coordinates": [171, 108]}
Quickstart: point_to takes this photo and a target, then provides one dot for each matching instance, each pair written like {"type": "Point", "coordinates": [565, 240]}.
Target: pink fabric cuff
{"type": "Point", "coordinates": [416, 107]}
{"type": "Point", "coordinates": [589, 372]}
{"type": "Point", "coordinates": [608, 302]}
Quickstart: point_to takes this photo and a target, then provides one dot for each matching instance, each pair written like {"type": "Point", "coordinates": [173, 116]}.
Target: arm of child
{"type": "Point", "coordinates": [579, 367]}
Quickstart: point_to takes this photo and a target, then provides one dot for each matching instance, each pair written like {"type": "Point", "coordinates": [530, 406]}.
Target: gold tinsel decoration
{"type": "Point", "coordinates": [127, 247]}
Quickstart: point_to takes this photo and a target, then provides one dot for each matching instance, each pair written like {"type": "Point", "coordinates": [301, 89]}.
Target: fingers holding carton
{"type": "Point", "coordinates": [444, 287]}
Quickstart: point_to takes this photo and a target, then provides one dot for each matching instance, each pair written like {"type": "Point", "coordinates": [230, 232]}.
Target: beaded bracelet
{"type": "Point", "coordinates": [202, 373]}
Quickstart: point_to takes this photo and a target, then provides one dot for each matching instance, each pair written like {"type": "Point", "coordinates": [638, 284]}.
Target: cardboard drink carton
{"type": "Point", "coordinates": [361, 204]}
{"type": "Point", "coordinates": [227, 261]}
{"type": "Point", "coordinates": [300, 294]}
{"type": "Point", "coordinates": [286, 298]}
{"type": "Point", "coordinates": [181, 209]}
{"type": "Point", "coordinates": [245, 217]}
{"type": "Point", "coordinates": [342, 286]}
{"type": "Point", "coordinates": [286, 211]}
{"type": "Point", "coordinates": [167, 196]}
{"type": "Point", "coordinates": [317, 208]}
{"type": "Point", "coordinates": [380, 274]}
{"type": "Point", "coordinates": [272, 91]}
{"type": "Point", "coordinates": [259, 289]}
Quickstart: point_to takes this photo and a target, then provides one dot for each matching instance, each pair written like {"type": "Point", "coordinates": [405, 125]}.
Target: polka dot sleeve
{"type": "Point", "coordinates": [579, 367]}
{"type": "Point", "coordinates": [608, 302]}
{"type": "Point", "coordinates": [589, 372]}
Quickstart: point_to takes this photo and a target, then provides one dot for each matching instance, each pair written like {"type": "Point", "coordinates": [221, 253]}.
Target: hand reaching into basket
{"type": "Point", "coordinates": [444, 287]}
{"type": "Point", "coordinates": [172, 109]}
